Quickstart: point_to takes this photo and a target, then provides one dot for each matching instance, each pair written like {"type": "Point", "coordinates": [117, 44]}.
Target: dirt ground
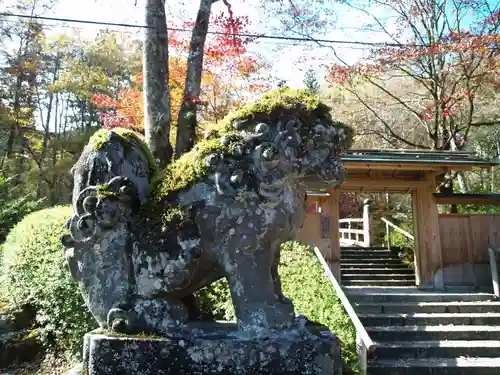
{"type": "Point", "coordinates": [48, 365]}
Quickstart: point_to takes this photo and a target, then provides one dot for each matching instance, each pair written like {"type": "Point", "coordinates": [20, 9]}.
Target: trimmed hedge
{"type": "Point", "coordinates": [33, 273]}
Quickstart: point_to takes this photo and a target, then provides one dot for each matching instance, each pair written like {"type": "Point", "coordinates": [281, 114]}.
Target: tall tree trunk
{"type": "Point", "coordinates": [46, 125]}
{"type": "Point", "coordinates": [462, 183]}
{"type": "Point", "coordinates": [186, 122]}
{"type": "Point", "coordinates": [15, 121]}
{"type": "Point", "coordinates": [156, 89]}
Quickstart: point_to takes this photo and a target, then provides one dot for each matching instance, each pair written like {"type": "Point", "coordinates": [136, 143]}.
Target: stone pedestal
{"type": "Point", "coordinates": [214, 351]}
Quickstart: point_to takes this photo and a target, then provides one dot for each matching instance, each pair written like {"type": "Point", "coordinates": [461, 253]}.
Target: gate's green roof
{"type": "Point", "coordinates": [416, 157]}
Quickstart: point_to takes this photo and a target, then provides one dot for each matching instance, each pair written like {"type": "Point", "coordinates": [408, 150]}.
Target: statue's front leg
{"type": "Point", "coordinates": [276, 277]}
{"type": "Point", "coordinates": [247, 267]}
{"type": "Point", "coordinates": [98, 248]}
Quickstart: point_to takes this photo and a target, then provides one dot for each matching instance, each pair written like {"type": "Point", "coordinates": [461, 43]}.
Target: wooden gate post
{"type": "Point", "coordinates": [331, 252]}
{"type": "Point", "coordinates": [428, 256]}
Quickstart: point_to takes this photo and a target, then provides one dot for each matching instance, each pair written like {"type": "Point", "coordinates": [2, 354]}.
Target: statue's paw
{"type": "Point", "coordinates": [118, 320]}
{"type": "Point", "coordinates": [285, 300]}
{"type": "Point", "coordinates": [283, 315]}
{"type": "Point", "coordinates": [262, 318]}
{"type": "Point", "coordinates": [159, 315]}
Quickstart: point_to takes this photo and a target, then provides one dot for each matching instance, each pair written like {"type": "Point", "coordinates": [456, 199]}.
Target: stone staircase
{"type": "Point", "coordinates": [416, 332]}
{"type": "Point", "coordinates": [373, 266]}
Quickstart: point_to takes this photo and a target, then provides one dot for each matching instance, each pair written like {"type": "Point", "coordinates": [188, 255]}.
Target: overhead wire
{"type": "Point", "coordinates": [273, 44]}
{"type": "Point", "coordinates": [264, 42]}
{"type": "Point", "coordinates": [246, 35]}
{"type": "Point", "coordinates": [283, 43]}
{"type": "Point", "coordinates": [78, 28]}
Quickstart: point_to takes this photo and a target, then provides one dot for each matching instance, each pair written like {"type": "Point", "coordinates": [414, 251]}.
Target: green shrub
{"type": "Point", "coordinates": [33, 274]}
{"type": "Point", "coordinates": [216, 300]}
{"type": "Point", "coordinates": [403, 245]}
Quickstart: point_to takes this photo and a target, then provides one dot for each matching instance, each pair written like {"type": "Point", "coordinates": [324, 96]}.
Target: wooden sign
{"type": "Point", "coordinates": [312, 207]}
{"type": "Point", "coordinates": [325, 226]}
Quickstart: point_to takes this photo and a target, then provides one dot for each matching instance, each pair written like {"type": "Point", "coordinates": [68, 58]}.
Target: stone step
{"type": "Point", "coordinates": [374, 282]}
{"type": "Point", "coordinates": [370, 261]}
{"type": "Point", "coordinates": [367, 255]}
{"type": "Point", "coordinates": [428, 307]}
{"type": "Point", "coordinates": [346, 248]}
{"type": "Point", "coordinates": [412, 295]}
{"type": "Point", "coordinates": [435, 366]}
{"type": "Point", "coordinates": [377, 270]}
{"type": "Point", "coordinates": [428, 333]}
{"type": "Point", "coordinates": [377, 276]}
{"type": "Point", "coordinates": [17, 347]}
{"type": "Point", "coordinates": [365, 251]}
{"type": "Point", "coordinates": [421, 319]}
{"type": "Point", "coordinates": [441, 349]}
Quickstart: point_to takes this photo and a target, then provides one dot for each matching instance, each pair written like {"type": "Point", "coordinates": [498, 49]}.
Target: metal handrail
{"type": "Point", "coordinates": [388, 226]}
{"type": "Point", "coordinates": [360, 329]}
{"type": "Point", "coordinates": [399, 229]}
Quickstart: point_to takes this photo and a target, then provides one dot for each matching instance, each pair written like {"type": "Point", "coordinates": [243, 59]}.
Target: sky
{"type": "Point", "coordinates": [289, 59]}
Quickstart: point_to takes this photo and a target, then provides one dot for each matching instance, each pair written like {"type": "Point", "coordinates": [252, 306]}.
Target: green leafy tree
{"type": "Point", "coordinates": [14, 206]}
{"type": "Point", "coordinates": [311, 82]}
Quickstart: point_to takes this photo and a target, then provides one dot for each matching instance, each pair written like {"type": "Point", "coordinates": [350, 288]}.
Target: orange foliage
{"type": "Point", "coordinates": [224, 63]}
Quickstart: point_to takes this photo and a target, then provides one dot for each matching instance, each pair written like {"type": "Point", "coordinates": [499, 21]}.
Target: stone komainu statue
{"type": "Point", "coordinates": [143, 241]}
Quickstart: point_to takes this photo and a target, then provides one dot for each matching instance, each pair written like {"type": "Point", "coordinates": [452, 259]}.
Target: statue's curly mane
{"type": "Point", "coordinates": [264, 123]}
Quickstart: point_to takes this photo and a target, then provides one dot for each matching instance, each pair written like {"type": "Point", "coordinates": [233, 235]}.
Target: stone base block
{"type": "Point", "coordinates": [214, 351]}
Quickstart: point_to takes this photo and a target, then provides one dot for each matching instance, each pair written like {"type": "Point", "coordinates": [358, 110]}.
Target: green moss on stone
{"type": "Point", "coordinates": [140, 335]}
{"type": "Point", "coordinates": [101, 137]}
{"type": "Point", "coordinates": [173, 214]}
{"type": "Point", "coordinates": [190, 167]}
{"type": "Point", "coordinates": [104, 192]}
{"type": "Point", "coordinates": [284, 99]}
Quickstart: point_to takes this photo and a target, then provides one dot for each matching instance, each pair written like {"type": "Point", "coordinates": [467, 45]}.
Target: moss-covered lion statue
{"type": "Point", "coordinates": [143, 241]}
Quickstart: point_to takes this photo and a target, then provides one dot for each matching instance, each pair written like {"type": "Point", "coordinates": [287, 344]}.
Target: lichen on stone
{"type": "Point", "coordinates": [101, 137]}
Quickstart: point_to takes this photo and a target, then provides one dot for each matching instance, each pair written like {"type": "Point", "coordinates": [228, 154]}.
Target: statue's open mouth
{"type": "Point", "coordinates": [331, 172]}
{"type": "Point", "coordinates": [273, 191]}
